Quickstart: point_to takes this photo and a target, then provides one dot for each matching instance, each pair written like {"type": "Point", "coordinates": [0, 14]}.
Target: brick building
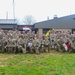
{"type": "Point", "coordinates": [66, 23]}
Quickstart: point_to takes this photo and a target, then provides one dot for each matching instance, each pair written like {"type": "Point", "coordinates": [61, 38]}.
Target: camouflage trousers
{"type": "Point", "coordinates": [43, 48]}
{"type": "Point", "coordinates": [47, 47]}
{"type": "Point", "coordinates": [30, 49]}
{"type": "Point", "coordinates": [21, 49]}
{"type": "Point", "coordinates": [36, 49]}
{"type": "Point", "coordinates": [10, 48]}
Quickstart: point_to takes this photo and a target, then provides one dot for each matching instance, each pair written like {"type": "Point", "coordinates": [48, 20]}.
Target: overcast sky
{"type": "Point", "coordinates": [39, 9]}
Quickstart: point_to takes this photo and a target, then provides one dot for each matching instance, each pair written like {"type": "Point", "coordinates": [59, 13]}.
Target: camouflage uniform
{"type": "Point", "coordinates": [46, 44]}
{"type": "Point", "coordinates": [30, 34]}
{"type": "Point", "coordinates": [42, 46]}
{"type": "Point", "coordinates": [25, 43]}
{"type": "Point", "coordinates": [52, 38]}
{"type": "Point", "coordinates": [68, 42]}
{"type": "Point", "coordinates": [30, 45]}
{"type": "Point", "coordinates": [36, 45]}
{"type": "Point", "coordinates": [73, 43]}
{"type": "Point", "coordinates": [21, 45]}
{"type": "Point", "coordinates": [4, 43]}
{"type": "Point", "coordinates": [0, 45]}
{"type": "Point", "coordinates": [60, 44]}
{"type": "Point", "coordinates": [11, 45]}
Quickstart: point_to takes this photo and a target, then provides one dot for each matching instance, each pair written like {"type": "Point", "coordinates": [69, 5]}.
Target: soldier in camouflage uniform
{"type": "Point", "coordinates": [30, 45]}
{"type": "Point", "coordinates": [4, 43]}
{"type": "Point", "coordinates": [25, 42]}
{"type": "Point", "coordinates": [67, 41]}
{"type": "Point", "coordinates": [30, 34]}
{"type": "Point", "coordinates": [42, 48]}
{"type": "Point", "coordinates": [21, 44]}
{"type": "Point", "coordinates": [73, 43]}
{"type": "Point", "coordinates": [52, 38]}
{"type": "Point", "coordinates": [36, 45]}
{"type": "Point", "coordinates": [11, 44]}
{"type": "Point", "coordinates": [1, 36]}
{"type": "Point", "coordinates": [60, 44]}
{"type": "Point", "coordinates": [46, 44]}
{"type": "Point", "coordinates": [0, 45]}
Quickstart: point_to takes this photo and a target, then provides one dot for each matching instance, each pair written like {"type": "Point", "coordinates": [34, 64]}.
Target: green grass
{"type": "Point", "coordinates": [53, 63]}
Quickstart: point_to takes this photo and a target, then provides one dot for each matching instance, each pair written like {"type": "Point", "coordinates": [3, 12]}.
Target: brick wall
{"type": "Point", "coordinates": [40, 32]}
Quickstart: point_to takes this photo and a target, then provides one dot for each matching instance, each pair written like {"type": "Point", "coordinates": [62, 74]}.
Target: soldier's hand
{"type": "Point", "coordinates": [20, 46]}
{"type": "Point", "coordinates": [5, 47]}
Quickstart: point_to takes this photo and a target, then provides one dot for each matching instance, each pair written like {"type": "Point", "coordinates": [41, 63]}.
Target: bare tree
{"type": "Point", "coordinates": [29, 20]}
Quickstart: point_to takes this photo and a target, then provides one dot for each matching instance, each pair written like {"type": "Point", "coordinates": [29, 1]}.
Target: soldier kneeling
{"type": "Point", "coordinates": [30, 45]}
{"type": "Point", "coordinates": [46, 44]}
{"type": "Point", "coordinates": [36, 45]}
{"type": "Point", "coordinates": [21, 45]}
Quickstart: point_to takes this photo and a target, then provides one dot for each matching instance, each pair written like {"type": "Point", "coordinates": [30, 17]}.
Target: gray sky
{"type": "Point", "coordinates": [40, 9]}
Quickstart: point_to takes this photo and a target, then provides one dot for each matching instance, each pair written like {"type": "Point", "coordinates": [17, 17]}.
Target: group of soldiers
{"type": "Point", "coordinates": [28, 42]}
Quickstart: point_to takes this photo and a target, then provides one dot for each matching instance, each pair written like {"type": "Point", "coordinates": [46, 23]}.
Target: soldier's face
{"type": "Point", "coordinates": [31, 38]}
{"type": "Point", "coordinates": [25, 37]}
{"type": "Point", "coordinates": [35, 38]}
{"type": "Point", "coordinates": [4, 37]}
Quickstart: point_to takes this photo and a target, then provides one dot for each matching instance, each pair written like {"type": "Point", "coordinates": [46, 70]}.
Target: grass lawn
{"type": "Point", "coordinates": [53, 63]}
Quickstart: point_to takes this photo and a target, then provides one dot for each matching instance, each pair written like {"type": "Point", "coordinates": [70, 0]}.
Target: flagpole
{"type": "Point", "coordinates": [14, 10]}
{"type": "Point", "coordinates": [14, 14]}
